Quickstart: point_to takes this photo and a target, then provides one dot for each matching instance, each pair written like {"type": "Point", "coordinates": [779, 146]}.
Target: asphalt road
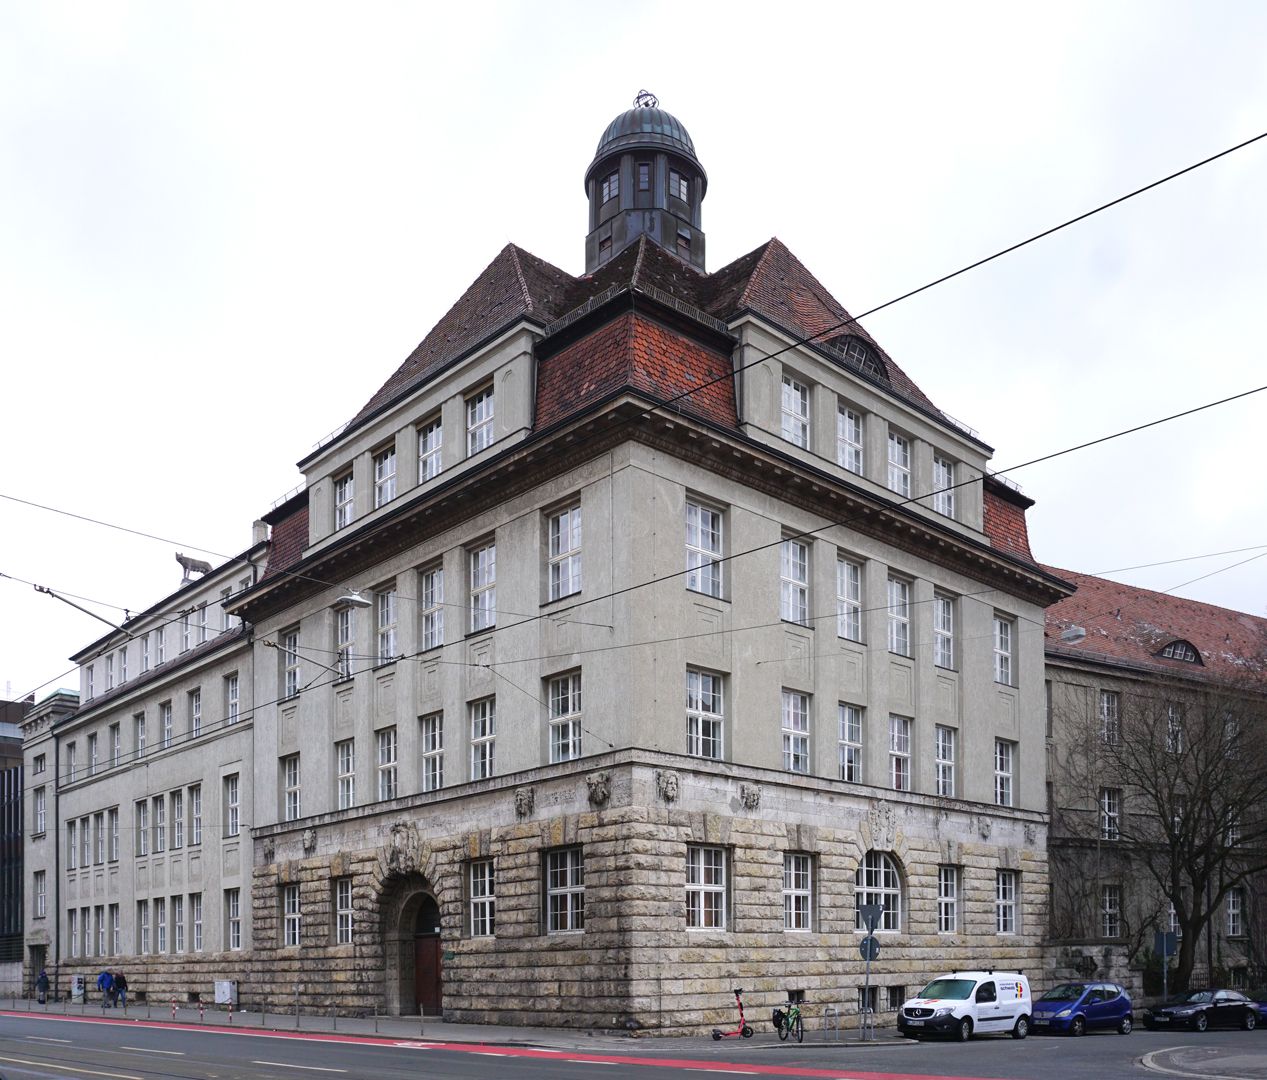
{"type": "Point", "coordinates": [36, 1048]}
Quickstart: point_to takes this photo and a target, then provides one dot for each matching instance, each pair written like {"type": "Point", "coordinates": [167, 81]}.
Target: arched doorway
{"type": "Point", "coordinates": [412, 948]}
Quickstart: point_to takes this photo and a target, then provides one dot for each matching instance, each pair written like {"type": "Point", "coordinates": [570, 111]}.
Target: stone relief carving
{"type": "Point", "coordinates": [600, 785]}
{"type": "Point", "coordinates": [270, 850]}
{"type": "Point", "coordinates": [525, 799]}
{"type": "Point", "coordinates": [666, 784]}
{"type": "Point", "coordinates": [883, 821]}
{"type": "Point", "coordinates": [750, 796]}
{"type": "Point", "coordinates": [404, 848]}
{"type": "Point", "coordinates": [310, 841]}
{"type": "Point", "coordinates": [983, 827]}
{"type": "Point", "coordinates": [1031, 834]}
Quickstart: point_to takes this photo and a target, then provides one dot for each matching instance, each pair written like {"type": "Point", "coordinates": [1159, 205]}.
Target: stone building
{"type": "Point", "coordinates": [637, 629]}
{"type": "Point", "coordinates": [1156, 716]}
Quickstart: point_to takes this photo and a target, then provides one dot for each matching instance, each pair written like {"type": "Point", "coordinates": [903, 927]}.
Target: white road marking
{"type": "Point", "coordinates": [147, 1050]}
{"type": "Point", "coordinates": [1148, 1063]}
{"type": "Point", "coordinates": [287, 1065]}
{"type": "Point", "coordinates": [72, 1069]}
{"type": "Point", "coordinates": [45, 1038]}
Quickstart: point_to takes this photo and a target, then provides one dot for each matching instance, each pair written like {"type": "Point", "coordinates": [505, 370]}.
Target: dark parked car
{"type": "Point", "coordinates": [1076, 1008]}
{"type": "Point", "coordinates": [1202, 1009]}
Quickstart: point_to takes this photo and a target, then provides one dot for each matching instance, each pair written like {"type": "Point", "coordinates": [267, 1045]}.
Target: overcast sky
{"type": "Point", "coordinates": [222, 226]}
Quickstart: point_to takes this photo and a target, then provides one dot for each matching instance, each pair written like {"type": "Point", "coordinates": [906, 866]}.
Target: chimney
{"type": "Point", "coordinates": [259, 532]}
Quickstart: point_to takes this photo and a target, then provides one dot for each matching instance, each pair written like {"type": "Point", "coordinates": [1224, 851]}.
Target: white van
{"type": "Point", "coordinates": [967, 1003]}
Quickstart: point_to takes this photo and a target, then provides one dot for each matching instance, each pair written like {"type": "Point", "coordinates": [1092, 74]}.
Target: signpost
{"type": "Point", "coordinates": [869, 948]}
{"type": "Point", "coordinates": [1164, 945]}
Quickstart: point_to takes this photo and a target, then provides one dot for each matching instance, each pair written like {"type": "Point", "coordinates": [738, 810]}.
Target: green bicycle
{"type": "Point", "coordinates": [790, 1022]}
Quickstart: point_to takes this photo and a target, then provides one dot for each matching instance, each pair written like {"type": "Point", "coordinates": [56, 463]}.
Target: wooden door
{"type": "Point", "coordinates": [427, 974]}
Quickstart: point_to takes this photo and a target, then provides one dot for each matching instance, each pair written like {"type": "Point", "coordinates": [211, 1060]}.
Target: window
{"type": "Point", "coordinates": [384, 476]}
{"type": "Point", "coordinates": [232, 818]}
{"type": "Point", "coordinates": [99, 922]}
{"type": "Point", "coordinates": [1110, 813]}
{"type": "Point", "coordinates": [178, 924]}
{"type": "Point", "coordinates": [430, 441]}
{"type": "Point", "coordinates": [849, 438]}
{"type": "Point", "coordinates": [1003, 633]}
{"type": "Point", "coordinates": [433, 752]}
{"type": "Point", "coordinates": [116, 745]}
{"type": "Point", "coordinates": [37, 764]}
{"type": "Point", "coordinates": [88, 681]}
{"type": "Point", "coordinates": [142, 828]}
{"type": "Point", "coordinates": [611, 186]}
{"type": "Point", "coordinates": [385, 624]}
{"type": "Point", "coordinates": [1178, 813]}
{"type": "Point", "coordinates": [1004, 759]}
{"type": "Point", "coordinates": [165, 717]}
{"type": "Point", "coordinates": [160, 824]}
{"type": "Point", "coordinates": [483, 899]}
{"type": "Point", "coordinates": [1174, 728]}
{"type": "Point", "coordinates": [72, 761]}
{"type": "Point", "coordinates": [40, 888]}
{"type": "Point", "coordinates": [291, 805]}
{"type": "Point", "coordinates": [683, 244]}
{"type": "Point", "coordinates": [195, 814]}
{"type": "Point", "coordinates": [178, 818]}
{"type": "Point", "coordinates": [123, 653]}
{"type": "Point", "coordinates": [705, 888]}
{"type": "Point", "coordinates": [945, 761]}
{"type": "Point", "coordinates": [160, 925]}
{"type": "Point", "coordinates": [943, 486]}
{"type": "Point", "coordinates": [794, 582]}
{"type": "Point", "coordinates": [343, 911]}
{"type": "Point", "coordinates": [1005, 889]}
{"type": "Point", "coordinates": [900, 753]}
{"type": "Point", "coordinates": [202, 633]}
{"type": "Point", "coordinates": [795, 412]}
{"type": "Point", "coordinates": [233, 918]}
{"type": "Point", "coordinates": [899, 616]}
{"type": "Point", "coordinates": [142, 927]}
{"type": "Point", "coordinates": [116, 933]}
{"type": "Point", "coordinates": [344, 637]}
{"type": "Point", "coordinates": [226, 620]}
{"type": "Point", "coordinates": [195, 918]}
{"type": "Point", "coordinates": [185, 638]}
{"type": "Point", "coordinates": [679, 186]}
{"type": "Point", "coordinates": [947, 899]}
{"type": "Point", "coordinates": [232, 700]}
{"type": "Point", "coordinates": [387, 763]}
{"type": "Point", "coordinates": [1110, 911]}
{"type": "Point", "coordinates": [1236, 912]}
{"type": "Point", "coordinates": [849, 599]}
{"type": "Point", "coordinates": [795, 731]}
{"type": "Point", "coordinates": [92, 754]}
{"type": "Point", "coordinates": [703, 549]}
{"type": "Point", "coordinates": [483, 716]}
{"type": "Point", "coordinates": [112, 826]}
{"type": "Point", "coordinates": [344, 500]}
{"type": "Point", "coordinates": [877, 882]}
{"type": "Point", "coordinates": [564, 695]}
{"type": "Point", "coordinates": [432, 607]}
{"type": "Point", "coordinates": [345, 756]}
{"type": "Point", "coordinates": [944, 631]}
{"type": "Point", "coordinates": [900, 464]}
{"type": "Point", "coordinates": [798, 894]}
{"type": "Point", "coordinates": [290, 663]}
{"type": "Point", "coordinates": [644, 176]}
{"type": "Point", "coordinates": [1110, 717]}
{"type": "Point", "coordinates": [565, 891]}
{"type": "Point", "coordinates": [145, 653]}
{"type": "Point", "coordinates": [290, 916]}
{"type": "Point", "coordinates": [160, 645]}
{"type": "Point", "coordinates": [565, 552]}
{"type": "Point", "coordinates": [483, 587]}
{"type": "Point", "coordinates": [604, 248]}
{"type": "Point", "coordinates": [41, 810]}
{"type": "Point", "coordinates": [479, 421]}
{"type": "Point", "coordinates": [1181, 650]}
{"type": "Point", "coordinates": [109, 671]}
{"type": "Point", "coordinates": [703, 714]}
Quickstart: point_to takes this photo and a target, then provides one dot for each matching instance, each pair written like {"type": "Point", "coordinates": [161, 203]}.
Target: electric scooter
{"type": "Point", "coordinates": [743, 1029]}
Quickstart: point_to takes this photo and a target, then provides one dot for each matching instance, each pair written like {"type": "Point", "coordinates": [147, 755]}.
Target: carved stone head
{"type": "Point", "coordinates": [666, 783]}
{"type": "Point", "coordinates": [525, 799]}
{"type": "Point", "coordinates": [600, 785]}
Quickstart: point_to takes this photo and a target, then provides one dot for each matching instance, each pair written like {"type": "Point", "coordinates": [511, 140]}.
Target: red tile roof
{"type": "Point", "coordinates": [1129, 625]}
{"type": "Point", "coordinates": [1005, 525]}
{"type": "Point", "coordinates": [288, 541]}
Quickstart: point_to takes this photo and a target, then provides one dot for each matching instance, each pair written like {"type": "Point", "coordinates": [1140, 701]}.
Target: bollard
{"type": "Point", "coordinates": [202, 1012]}
{"type": "Point", "coordinates": [230, 1010]}
{"type": "Point", "coordinates": [173, 1008]}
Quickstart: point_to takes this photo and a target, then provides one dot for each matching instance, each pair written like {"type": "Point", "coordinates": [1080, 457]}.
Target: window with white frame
{"type": "Point", "coordinates": [142, 831]}
{"type": "Point", "coordinates": [142, 927]}
{"type": "Point", "coordinates": [226, 620]}
{"type": "Point", "coordinates": [39, 885]}
{"type": "Point", "coordinates": [290, 663]}
{"type": "Point", "coordinates": [1236, 912]}
{"type": "Point", "coordinates": [116, 930]}
{"type": "Point", "coordinates": [899, 616]}
{"type": "Point", "coordinates": [1006, 895]}
{"type": "Point", "coordinates": [943, 631]}
{"type": "Point", "coordinates": [384, 476]}
{"type": "Point", "coordinates": [345, 778]}
{"type": "Point", "coordinates": [387, 764]}
{"type": "Point", "coordinates": [116, 745]}
{"type": "Point", "coordinates": [564, 528]}
{"type": "Point", "coordinates": [344, 640]}
{"type": "Point", "coordinates": [704, 714]}
{"type": "Point", "coordinates": [145, 653]}
{"type": "Point", "coordinates": [795, 410]}
{"type": "Point", "coordinates": [430, 441]}
{"type": "Point", "coordinates": [166, 726]}
{"type": "Point", "coordinates": [385, 624]}
{"type": "Point", "coordinates": [703, 549]}
{"type": "Point", "coordinates": [177, 799]}
{"type": "Point", "coordinates": [900, 464]}
{"type": "Point", "coordinates": [943, 485]}
{"type": "Point", "coordinates": [705, 888]}
{"type": "Point", "coordinates": [798, 891]}
{"type": "Point", "coordinates": [195, 919]}
{"type": "Point", "coordinates": [123, 652]}
{"type": "Point", "coordinates": [232, 809]}
{"type": "Point", "coordinates": [431, 606]}
{"type": "Point", "coordinates": [232, 699]}
{"type": "Point", "coordinates": [85, 841]}
{"type": "Point", "coordinates": [483, 898]}
{"type": "Point", "coordinates": [41, 809]}
{"type": "Point", "coordinates": [947, 899]}
{"type": "Point", "coordinates": [202, 629]}
{"type": "Point", "coordinates": [1004, 766]}
{"type": "Point", "coordinates": [1004, 633]}
{"type": "Point", "coordinates": [195, 814]}
{"type": "Point", "coordinates": [178, 924]}
{"type": "Point", "coordinates": [72, 759]}
{"type": "Point", "coordinates": [877, 882]}
{"type": "Point", "coordinates": [899, 753]}
{"type": "Point", "coordinates": [565, 890]}
{"type": "Point", "coordinates": [849, 438]}
{"type": "Point", "coordinates": [89, 691]}
{"type": "Point", "coordinates": [479, 421]}
{"type": "Point", "coordinates": [794, 582]}
{"type": "Point", "coordinates": [291, 917]}
{"type": "Point", "coordinates": [160, 824]}
{"type": "Point", "coordinates": [433, 752]}
{"type": "Point", "coordinates": [1174, 728]}
{"type": "Point", "coordinates": [1110, 813]}
{"type": "Point", "coordinates": [848, 599]}
{"type": "Point", "coordinates": [483, 714]}
{"type": "Point", "coordinates": [483, 578]}
{"type": "Point", "coordinates": [160, 925]}
{"type": "Point", "coordinates": [1110, 911]}
{"type": "Point", "coordinates": [186, 633]}
{"type": "Point", "coordinates": [99, 922]}
{"type": "Point", "coordinates": [1110, 717]}
{"type": "Point", "coordinates": [564, 697]}
{"type": "Point", "coordinates": [291, 803]}
{"type": "Point", "coordinates": [795, 731]}
{"type": "Point", "coordinates": [945, 761]}
{"type": "Point", "coordinates": [343, 913]}
{"type": "Point", "coordinates": [112, 827]}
{"type": "Point", "coordinates": [344, 500]}
{"type": "Point", "coordinates": [233, 918]}
{"type": "Point", "coordinates": [160, 645]}
{"type": "Point", "coordinates": [92, 754]}
{"type": "Point", "coordinates": [679, 186]}
{"type": "Point", "coordinates": [109, 671]}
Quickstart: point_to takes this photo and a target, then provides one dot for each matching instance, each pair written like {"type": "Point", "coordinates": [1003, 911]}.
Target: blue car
{"type": "Point", "coordinates": [1074, 1008]}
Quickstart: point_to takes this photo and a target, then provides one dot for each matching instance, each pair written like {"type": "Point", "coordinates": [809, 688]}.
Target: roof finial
{"type": "Point", "coordinates": [645, 99]}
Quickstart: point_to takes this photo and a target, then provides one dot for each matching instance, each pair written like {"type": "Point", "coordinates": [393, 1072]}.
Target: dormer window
{"type": "Point", "coordinates": [860, 355]}
{"type": "Point", "coordinates": [1181, 650]}
{"type": "Point", "coordinates": [611, 186]}
{"type": "Point", "coordinates": [679, 186]}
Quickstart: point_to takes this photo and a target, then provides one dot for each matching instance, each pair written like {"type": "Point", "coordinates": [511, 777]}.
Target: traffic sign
{"type": "Point", "coordinates": [869, 948]}
{"type": "Point", "coordinates": [871, 915]}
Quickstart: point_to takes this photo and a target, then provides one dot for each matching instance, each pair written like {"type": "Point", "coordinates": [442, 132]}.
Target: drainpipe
{"type": "Point", "coordinates": [57, 866]}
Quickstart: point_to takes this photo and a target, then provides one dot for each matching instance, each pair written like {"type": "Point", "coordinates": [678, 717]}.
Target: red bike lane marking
{"type": "Point", "coordinates": [695, 1064]}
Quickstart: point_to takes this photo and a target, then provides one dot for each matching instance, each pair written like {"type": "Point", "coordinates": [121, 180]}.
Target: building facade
{"type": "Point", "coordinates": [640, 628]}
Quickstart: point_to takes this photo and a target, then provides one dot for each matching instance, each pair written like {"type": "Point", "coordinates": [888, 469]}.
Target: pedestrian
{"type": "Point", "coordinates": [105, 983]}
{"type": "Point", "coordinates": [121, 988]}
{"type": "Point", "coordinates": [41, 986]}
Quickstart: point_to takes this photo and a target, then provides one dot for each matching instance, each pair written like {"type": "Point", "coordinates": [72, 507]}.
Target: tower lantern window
{"type": "Point", "coordinates": [611, 186]}
{"type": "Point", "coordinates": [679, 185]}
{"type": "Point", "coordinates": [644, 176]}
